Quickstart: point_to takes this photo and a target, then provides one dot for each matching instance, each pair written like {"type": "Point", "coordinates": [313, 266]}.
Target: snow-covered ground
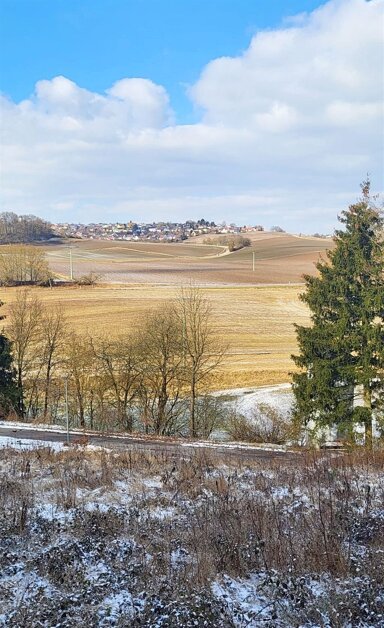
{"type": "Point", "coordinates": [245, 400]}
{"type": "Point", "coordinates": [105, 539]}
{"type": "Point", "coordinates": [27, 444]}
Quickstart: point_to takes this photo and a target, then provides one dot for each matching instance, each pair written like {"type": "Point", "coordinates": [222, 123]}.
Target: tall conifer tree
{"type": "Point", "coordinates": [342, 353]}
{"type": "Point", "coordinates": [8, 388]}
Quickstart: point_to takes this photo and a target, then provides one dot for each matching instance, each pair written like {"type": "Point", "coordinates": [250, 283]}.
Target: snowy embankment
{"type": "Point", "coordinates": [120, 539]}
{"type": "Point", "coordinates": [27, 444]}
{"type": "Point", "coordinates": [245, 400]}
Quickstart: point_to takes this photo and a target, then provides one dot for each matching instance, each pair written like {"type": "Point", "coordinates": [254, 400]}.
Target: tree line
{"type": "Point", "coordinates": [23, 264]}
{"type": "Point", "coordinates": [18, 229]}
{"type": "Point", "coordinates": [153, 379]}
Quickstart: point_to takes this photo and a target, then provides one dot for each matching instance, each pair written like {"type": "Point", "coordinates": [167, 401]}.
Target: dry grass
{"type": "Point", "coordinates": [280, 258]}
{"type": "Point", "coordinates": [256, 322]}
{"type": "Point", "coordinates": [78, 528]}
{"type": "Point", "coordinates": [254, 311]}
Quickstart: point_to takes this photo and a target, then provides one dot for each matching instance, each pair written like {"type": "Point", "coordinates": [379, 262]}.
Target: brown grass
{"type": "Point", "coordinates": [280, 258]}
{"type": "Point", "coordinates": [254, 311]}
{"type": "Point", "coordinates": [256, 322]}
{"type": "Point", "coordinates": [308, 535]}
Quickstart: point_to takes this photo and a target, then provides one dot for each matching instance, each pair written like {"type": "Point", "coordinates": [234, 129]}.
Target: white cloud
{"type": "Point", "coordinates": [287, 129]}
{"type": "Point", "coordinates": [333, 55]}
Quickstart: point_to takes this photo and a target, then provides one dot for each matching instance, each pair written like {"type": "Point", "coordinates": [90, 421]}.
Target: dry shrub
{"type": "Point", "coordinates": [266, 425]}
{"type": "Point", "coordinates": [89, 279]}
{"type": "Point", "coordinates": [317, 517]}
{"type": "Point", "coordinates": [16, 501]}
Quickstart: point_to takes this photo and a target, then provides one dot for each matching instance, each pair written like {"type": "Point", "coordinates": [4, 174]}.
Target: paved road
{"type": "Point", "coordinates": [128, 443]}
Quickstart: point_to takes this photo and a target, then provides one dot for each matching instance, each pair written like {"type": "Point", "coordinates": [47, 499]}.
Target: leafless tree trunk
{"type": "Point", "coordinates": [161, 369]}
{"type": "Point", "coordinates": [78, 365]}
{"type": "Point", "coordinates": [24, 333]}
{"type": "Point", "coordinates": [53, 338]}
{"type": "Point", "coordinates": [202, 349]}
{"type": "Point", "coordinates": [118, 361]}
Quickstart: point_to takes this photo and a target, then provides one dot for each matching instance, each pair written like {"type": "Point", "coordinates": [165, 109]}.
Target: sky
{"type": "Point", "coordinates": [241, 111]}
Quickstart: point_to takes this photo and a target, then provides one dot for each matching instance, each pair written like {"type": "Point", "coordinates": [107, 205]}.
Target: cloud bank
{"type": "Point", "coordinates": [287, 131]}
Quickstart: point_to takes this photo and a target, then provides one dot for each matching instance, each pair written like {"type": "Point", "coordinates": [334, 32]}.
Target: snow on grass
{"type": "Point", "coordinates": [278, 397]}
{"type": "Point", "coordinates": [268, 598]}
{"type": "Point", "coordinates": [113, 606]}
{"type": "Point", "coordinates": [19, 425]}
{"type": "Point", "coordinates": [162, 543]}
{"type": "Point", "coordinates": [245, 601]}
{"type": "Point", "coordinates": [163, 513]}
{"type": "Point", "coordinates": [245, 400]}
{"type": "Point", "coordinates": [154, 482]}
{"type": "Point", "coordinates": [234, 445]}
{"type": "Point", "coordinates": [25, 444]}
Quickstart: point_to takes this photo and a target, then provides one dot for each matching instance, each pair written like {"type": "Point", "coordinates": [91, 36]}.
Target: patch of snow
{"type": "Point", "coordinates": [242, 598]}
{"type": "Point", "coordinates": [153, 482]}
{"type": "Point", "coordinates": [163, 513]}
{"type": "Point", "coordinates": [278, 397]}
{"type": "Point", "coordinates": [96, 505]}
{"type": "Point", "coordinates": [18, 425]}
{"type": "Point", "coordinates": [51, 512]}
{"type": "Point", "coordinates": [113, 606]}
{"type": "Point", "coordinates": [235, 445]}
{"type": "Point", "coordinates": [23, 443]}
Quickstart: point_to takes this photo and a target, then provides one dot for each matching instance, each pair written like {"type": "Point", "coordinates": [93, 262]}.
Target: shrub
{"type": "Point", "coordinates": [233, 242]}
{"type": "Point", "coordinates": [90, 279]}
{"type": "Point", "coordinates": [266, 425]}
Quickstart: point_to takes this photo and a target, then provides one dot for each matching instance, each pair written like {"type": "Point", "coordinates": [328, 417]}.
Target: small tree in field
{"type": "Point", "coordinates": [342, 353]}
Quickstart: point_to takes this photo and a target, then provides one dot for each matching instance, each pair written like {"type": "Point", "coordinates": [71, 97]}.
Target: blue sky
{"type": "Point", "coordinates": [239, 110]}
{"type": "Point", "coordinates": [97, 42]}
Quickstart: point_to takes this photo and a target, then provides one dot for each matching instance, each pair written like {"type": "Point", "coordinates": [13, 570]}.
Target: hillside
{"type": "Point", "coordinates": [279, 259]}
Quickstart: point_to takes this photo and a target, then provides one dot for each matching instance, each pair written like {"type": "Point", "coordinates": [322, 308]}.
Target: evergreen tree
{"type": "Point", "coordinates": [342, 353]}
{"type": "Point", "coordinates": [8, 388]}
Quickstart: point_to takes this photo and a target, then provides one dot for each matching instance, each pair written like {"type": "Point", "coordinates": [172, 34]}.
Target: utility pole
{"type": "Point", "coordinates": [70, 264]}
{"type": "Point", "coordinates": [66, 408]}
{"type": "Point", "coordinates": [253, 261]}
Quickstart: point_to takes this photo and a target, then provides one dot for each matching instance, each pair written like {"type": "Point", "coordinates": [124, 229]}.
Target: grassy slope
{"type": "Point", "coordinates": [280, 258]}
{"type": "Point", "coordinates": [257, 322]}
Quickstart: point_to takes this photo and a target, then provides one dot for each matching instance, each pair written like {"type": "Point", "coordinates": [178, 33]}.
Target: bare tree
{"type": "Point", "coordinates": [24, 333]}
{"type": "Point", "coordinates": [52, 346]}
{"type": "Point", "coordinates": [23, 264]}
{"type": "Point", "coordinates": [79, 370]}
{"type": "Point", "coordinates": [201, 347]}
{"type": "Point", "coordinates": [160, 370]}
{"type": "Point", "coordinates": [118, 362]}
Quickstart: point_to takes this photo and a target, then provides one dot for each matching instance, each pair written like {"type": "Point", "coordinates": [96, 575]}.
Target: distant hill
{"type": "Point", "coordinates": [272, 258]}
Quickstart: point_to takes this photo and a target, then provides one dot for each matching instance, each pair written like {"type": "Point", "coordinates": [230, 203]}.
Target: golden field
{"type": "Point", "coordinates": [255, 321]}
{"type": "Point", "coordinates": [254, 311]}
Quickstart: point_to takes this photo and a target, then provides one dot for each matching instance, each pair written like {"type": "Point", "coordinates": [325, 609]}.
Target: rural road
{"type": "Point", "coordinates": [127, 443]}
